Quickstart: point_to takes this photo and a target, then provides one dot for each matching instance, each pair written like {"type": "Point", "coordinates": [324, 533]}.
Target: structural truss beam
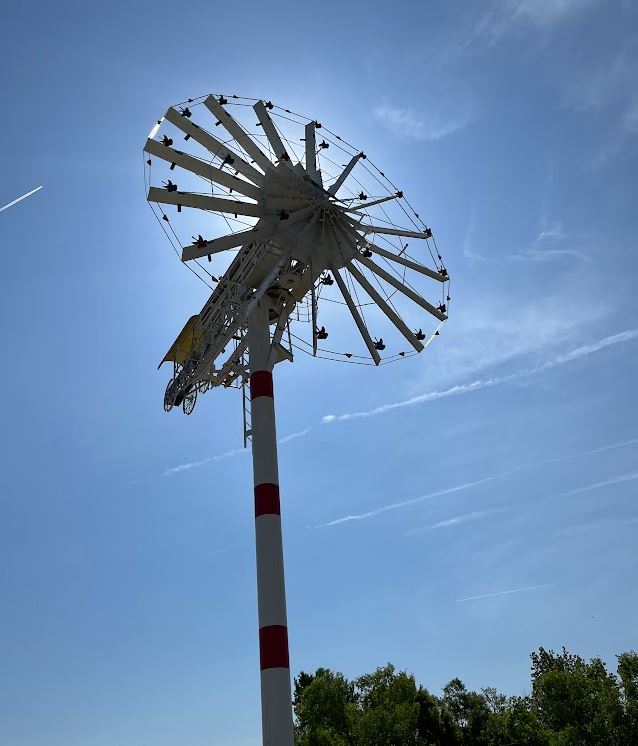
{"type": "Point", "coordinates": [214, 146]}
{"type": "Point", "coordinates": [398, 285]}
{"type": "Point", "coordinates": [201, 168]}
{"type": "Point", "coordinates": [237, 131]}
{"type": "Point", "coordinates": [281, 154]}
{"type": "Point", "coordinates": [358, 320]}
{"type": "Point", "coordinates": [392, 315]}
{"type": "Point", "coordinates": [214, 246]}
{"type": "Point", "coordinates": [204, 202]}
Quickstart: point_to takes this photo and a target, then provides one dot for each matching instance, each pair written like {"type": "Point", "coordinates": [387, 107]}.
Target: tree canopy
{"type": "Point", "coordinates": [573, 702]}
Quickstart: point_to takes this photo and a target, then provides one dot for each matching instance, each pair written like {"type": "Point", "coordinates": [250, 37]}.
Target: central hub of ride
{"type": "Point", "coordinates": [308, 220]}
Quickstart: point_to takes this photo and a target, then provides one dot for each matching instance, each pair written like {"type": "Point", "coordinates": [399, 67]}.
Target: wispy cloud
{"type": "Point", "coordinates": [468, 485]}
{"type": "Point", "coordinates": [630, 119]}
{"type": "Point", "coordinates": [599, 485]}
{"type": "Point", "coordinates": [539, 254]}
{"type": "Point", "coordinates": [503, 19]}
{"type": "Point", "coordinates": [558, 360]}
{"type": "Point", "coordinates": [19, 199]}
{"type": "Point", "coordinates": [408, 124]}
{"type": "Point", "coordinates": [551, 243]}
{"type": "Point", "coordinates": [606, 83]}
{"type": "Point", "coordinates": [411, 501]}
{"type": "Point", "coordinates": [506, 593]}
{"type": "Point", "coordinates": [578, 529]}
{"type": "Point", "coordinates": [493, 332]}
{"type": "Point", "coordinates": [545, 12]}
{"type": "Point", "coordinates": [506, 17]}
{"type": "Point", "coordinates": [552, 232]}
{"type": "Point", "coordinates": [228, 454]}
{"type": "Point", "coordinates": [580, 454]}
{"type": "Point", "coordinates": [294, 436]}
{"type": "Point", "coordinates": [608, 80]}
{"type": "Point", "coordinates": [196, 464]}
{"type": "Point", "coordinates": [455, 521]}
{"type": "Point", "coordinates": [469, 251]}
{"type": "Point", "coordinates": [229, 548]}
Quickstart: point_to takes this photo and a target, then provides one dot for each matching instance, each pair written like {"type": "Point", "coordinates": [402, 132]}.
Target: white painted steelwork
{"type": "Point", "coordinates": [300, 222]}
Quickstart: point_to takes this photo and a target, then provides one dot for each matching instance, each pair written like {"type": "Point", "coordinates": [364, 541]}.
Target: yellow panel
{"type": "Point", "coordinates": [186, 341]}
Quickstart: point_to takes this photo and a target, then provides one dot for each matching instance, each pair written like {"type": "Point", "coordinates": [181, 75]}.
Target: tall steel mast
{"type": "Point", "coordinates": [298, 231]}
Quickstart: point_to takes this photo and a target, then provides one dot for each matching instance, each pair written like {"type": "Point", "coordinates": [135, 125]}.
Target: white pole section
{"type": "Point", "coordinates": [276, 696]}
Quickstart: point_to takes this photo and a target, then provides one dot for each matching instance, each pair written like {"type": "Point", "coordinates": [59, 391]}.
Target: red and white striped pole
{"type": "Point", "coordinates": [276, 696]}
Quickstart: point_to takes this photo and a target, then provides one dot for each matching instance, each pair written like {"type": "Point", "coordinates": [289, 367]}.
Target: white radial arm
{"type": "Point", "coordinates": [311, 153]}
{"type": "Point", "coordinates": [201, 168]}
{"type": "Point", "coordinates": [204, 202]}
{"type": "Point", "coordinates": [225, 242]}
{"type": "Point", "coordinates": [385, 307]}
{"type": "Point", "coordinates": [238, 132]}
{"type": "Point", "coordinates": [271, 132]}
{"type": "Point", "coordinates": [214, 146]}
{"type": "Point", "coordinates": [390, 231]}
{"type": "Point", "coordinates": [398, 285]}
{"type": "Point", "coordinates": [356, 316]}
{"type": "Point", "coordinates": [344, 174]}
{"type": "Point", "coordinates": [407, 262]}
{"type": "Point", "coordinates": [374, 202]}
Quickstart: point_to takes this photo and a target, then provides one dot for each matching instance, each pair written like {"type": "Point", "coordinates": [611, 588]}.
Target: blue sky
{"type": "Point", "coordinates": [503, 458]}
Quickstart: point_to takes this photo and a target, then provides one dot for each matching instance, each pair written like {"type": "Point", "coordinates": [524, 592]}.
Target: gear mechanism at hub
{"type": "Point", "coordinates": [261, 202]}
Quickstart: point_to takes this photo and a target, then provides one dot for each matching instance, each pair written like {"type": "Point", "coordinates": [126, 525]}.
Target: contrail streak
{"type": "Point", "coordinates": [468, 485]}
{"type": "Point", "coordinates": [455, 520]}
{"type": "Point", "coordinates": [229, 454]}
{"type": "Point", "coordinates": [294, 436]}
{"type": "Point", "coordinates": [505, 593]}
{"type": "Point", "coordinates": [412, 501]}
{"type": "Point", "coordinates": [196, 464]}
{"type": "Point", "coordinates": [599, 485]}
{"type": "Point", "coordinates": [466, 388]}
{"type": "Point", "coordinates": [19, 199]}
{"type": "Point", "coordinates": [579, 454]}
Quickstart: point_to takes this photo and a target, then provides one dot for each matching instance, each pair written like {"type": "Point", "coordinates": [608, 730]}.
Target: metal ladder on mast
{"type": "Point", "coordinates": [245, 397]}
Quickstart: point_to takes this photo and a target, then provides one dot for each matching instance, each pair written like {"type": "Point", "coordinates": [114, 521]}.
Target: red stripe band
{"type": "Point", "coordinates": [261, 384]}
{"type": "Point", "coordinates": [273, 647]}
{"type": "Point", "coordinates": [267, 499]}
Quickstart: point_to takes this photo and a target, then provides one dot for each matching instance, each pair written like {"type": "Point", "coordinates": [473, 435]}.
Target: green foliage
{"type": "Point", "coordinates": [573, 702]}
{"type": "Point", "coordinates": [576, 701]}
{"type": "Point", "coordinates": [628, 675]}
{"type": "Point", "coordinates": [325, 709]}
{"type": "Point", "coordinates": [388, 710]}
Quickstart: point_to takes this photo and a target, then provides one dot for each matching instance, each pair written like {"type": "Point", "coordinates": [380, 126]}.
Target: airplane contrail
{"type": "Point", "coordinates": [569, 456]}
{"type": "Point", "coordinates": [411, 501]}
{"type": "Point", "coordinates": [19, 199]}
{"type": "Point", "coordinates": [523, 467]}
{"type": "Point", "coordinates": [466, 388]}
{"type": "Point", "coordinates": [505, 593]}
{"type": "Point", "coordinates": [597, 485]}
{"type": "Point", "coordinates": [230, 454]}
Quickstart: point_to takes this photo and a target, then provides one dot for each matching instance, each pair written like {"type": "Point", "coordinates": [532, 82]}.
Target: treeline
{"type": "Point", "coordinates": [573, 702]}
